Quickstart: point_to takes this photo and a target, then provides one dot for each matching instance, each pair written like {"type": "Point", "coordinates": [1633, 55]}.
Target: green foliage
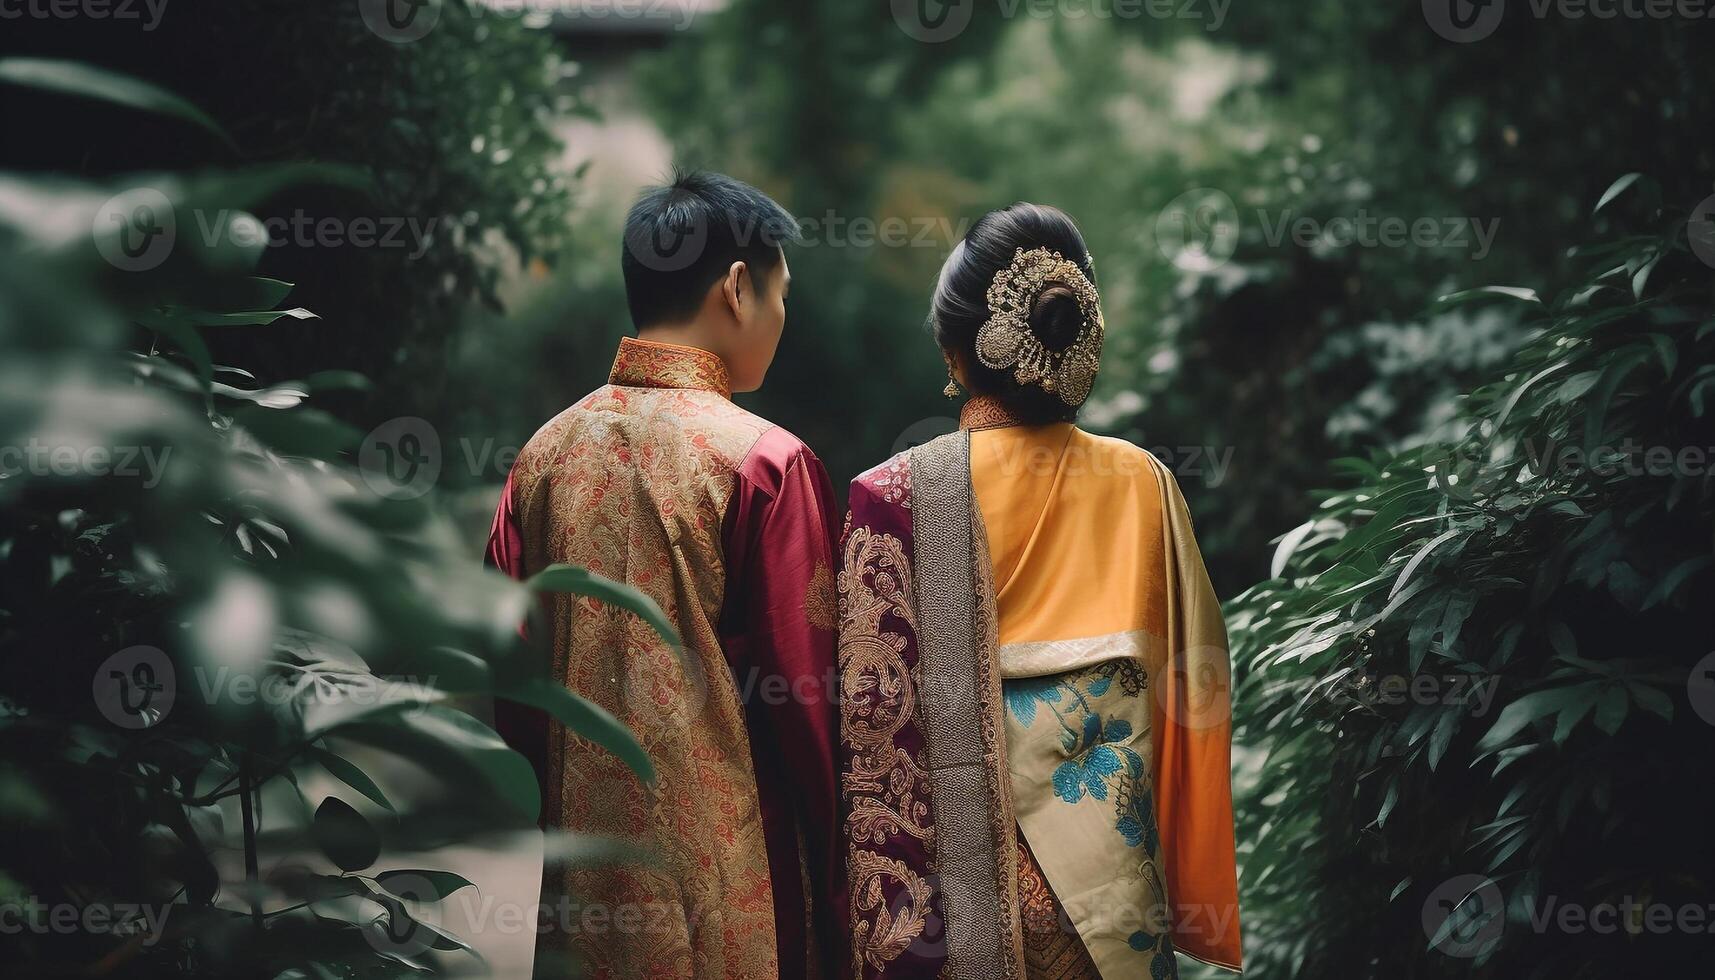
{"type": "Point", "coordinates": [1283, 356]}
{"type": "Point", "coordinates": [208, 618]}
{"type": "Point", "coordinates": [463, 183]}
{"type": "Point", "coordinates": [1474, 660]}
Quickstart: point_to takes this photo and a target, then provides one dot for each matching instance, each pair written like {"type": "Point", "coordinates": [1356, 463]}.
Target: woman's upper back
{"type": "Point", "coordinates": [1074, 525]}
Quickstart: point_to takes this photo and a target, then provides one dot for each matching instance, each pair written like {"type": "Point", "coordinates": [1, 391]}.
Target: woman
{"type": "Point", "coordinates": [1034, 723]}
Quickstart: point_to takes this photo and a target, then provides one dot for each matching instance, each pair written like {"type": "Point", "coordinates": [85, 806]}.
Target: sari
{"type": "Point", "coordinates": [1035, 718]}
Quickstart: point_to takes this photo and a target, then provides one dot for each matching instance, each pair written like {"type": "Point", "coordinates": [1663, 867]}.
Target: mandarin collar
{"type": "Point", "coordinates": [653, 364]}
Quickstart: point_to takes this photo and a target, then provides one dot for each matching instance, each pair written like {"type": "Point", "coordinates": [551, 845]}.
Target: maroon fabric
{"type": "Point", "coordinates": [524, 729]}
{"type": "Point", "coordinates": [777, 630]}
{"type": "Point", "coordinates": [880, 502]}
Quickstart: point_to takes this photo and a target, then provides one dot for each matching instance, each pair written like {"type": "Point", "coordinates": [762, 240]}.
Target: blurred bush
{"type": "Point", "coordinates": [464, 184]}
{"type": "Point", "coordinates": [1271, 355]}
{"type": "Point", "coordinates": [1460, 700]}
{"type": "Point", "coordinates": [207, 613]}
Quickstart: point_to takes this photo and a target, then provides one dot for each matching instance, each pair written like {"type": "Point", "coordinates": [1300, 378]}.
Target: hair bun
{"type": "Point", "coordinates": [1055, 317]}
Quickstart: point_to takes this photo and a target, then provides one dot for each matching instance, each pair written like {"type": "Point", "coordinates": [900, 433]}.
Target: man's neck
{"type": "Point", "coordinates": [690, 334]}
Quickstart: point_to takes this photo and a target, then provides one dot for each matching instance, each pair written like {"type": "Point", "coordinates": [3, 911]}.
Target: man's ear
{"type": "Point", "coordinates": [737, 288]}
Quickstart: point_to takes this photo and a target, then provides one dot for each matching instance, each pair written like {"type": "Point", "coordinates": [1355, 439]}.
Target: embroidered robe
{"type": "Point", "coordinates": [659, 481]}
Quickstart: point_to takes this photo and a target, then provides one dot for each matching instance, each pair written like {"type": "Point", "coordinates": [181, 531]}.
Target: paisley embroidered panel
{"type": "Point", "coordinates": [896, 923]}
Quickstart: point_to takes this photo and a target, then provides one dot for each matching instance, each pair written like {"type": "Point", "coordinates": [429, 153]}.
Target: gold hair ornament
{"type": "Point", "coordinates": [1005, 340]}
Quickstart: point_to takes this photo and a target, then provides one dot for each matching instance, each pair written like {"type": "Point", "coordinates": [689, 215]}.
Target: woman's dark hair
{"type": "Point", "coordinates": [961, 302]}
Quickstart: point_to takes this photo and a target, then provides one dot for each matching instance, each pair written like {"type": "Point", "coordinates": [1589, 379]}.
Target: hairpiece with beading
{"type": "Point", "coordinates": [1006, 341]}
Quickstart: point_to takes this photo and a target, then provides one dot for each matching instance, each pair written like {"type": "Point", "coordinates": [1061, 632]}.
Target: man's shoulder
{"type": "Point", "coordinates": [690, 424]}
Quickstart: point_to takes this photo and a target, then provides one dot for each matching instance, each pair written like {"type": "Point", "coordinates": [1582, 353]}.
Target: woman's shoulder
{"type": "Point", "coordinates": [889, 481]}
{"type": "Point", "coordinates": [1113, 455]}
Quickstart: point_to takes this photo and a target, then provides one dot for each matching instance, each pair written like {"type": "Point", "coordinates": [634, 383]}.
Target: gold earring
{"type": "Point", "coordinates": [952, 389]}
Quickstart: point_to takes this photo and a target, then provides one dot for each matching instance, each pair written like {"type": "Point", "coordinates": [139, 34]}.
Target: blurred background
{"type": "Point", "coordinates": [1333, 240]}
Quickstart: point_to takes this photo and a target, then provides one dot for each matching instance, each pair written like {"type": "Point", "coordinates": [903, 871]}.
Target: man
{"type": "Point", "coordinates": [658, 480]}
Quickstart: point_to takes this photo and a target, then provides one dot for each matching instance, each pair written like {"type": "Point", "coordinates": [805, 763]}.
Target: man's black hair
{"type": "Point", "coordinates": [681, 238]}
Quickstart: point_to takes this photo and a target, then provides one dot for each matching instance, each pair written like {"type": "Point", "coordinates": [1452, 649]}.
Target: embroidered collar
{"type": "Point", "coordinates": [985, 412]}
{"type": "Point", "coordinates": [652, 364]}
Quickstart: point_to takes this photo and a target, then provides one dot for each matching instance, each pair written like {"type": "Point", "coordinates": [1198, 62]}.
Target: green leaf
{"type": "Point", "coordinates": [1537, 704]}
{"type": "Point", "coordinates": [1289, 544]}
{"type": "Point", "coordinates": [350, 775]}
{"type": "Point", "coordinates": [1652, 700]}
{"type": "Point", "coordinates": [306, 432]}
{"type": "Point", "coordinates": [582, 581]}
{"type": "Point", "coordinates": [1445, 728]}
{"type": "Point", "coordinates": [85, 81]}
{"type": "Point", "coordinates": [1571, 715]}
{"type": "Point", "coordinates": [440, 883]}
{"type": "Point", "coordinates": [1417, 559]}
{"type": "Point", "coordinates": [187, 340]}
{"type": "Point", "coordinates": [1615, 189]}
{"type": "Point", "coordinates": [1611, 710]}
{"type": "Point", "coordinates": [1626, 585]}
{"type": "Point", "coordinates": [464, 753]}
{"type": "Point", "coordinates": [1388, 803]}
{"type": "Point", "coordinates": [1596, 405]}
{"type": "Point", "coordinates": [344, 835]}
{"type": "Point", "coordinates": [587, 719]}
{"type": "Point", "coordinates": [253, 318]}
{"type": "Point", "coordinates": [248, 293]}
{"type": "Point", "coordinates": [1670, 583]}
{"type": "Point", "coordinates": [1517, 293]}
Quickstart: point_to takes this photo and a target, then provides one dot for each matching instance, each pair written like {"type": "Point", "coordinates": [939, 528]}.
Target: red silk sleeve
{"type": "Point", "coordinates": [524, 729]}
{"type": "Point", "coordinates": [778, 630]}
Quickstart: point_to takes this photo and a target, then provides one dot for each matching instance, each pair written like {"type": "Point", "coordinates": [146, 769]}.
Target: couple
{"type": "Point", "coordinates": [981, 732]}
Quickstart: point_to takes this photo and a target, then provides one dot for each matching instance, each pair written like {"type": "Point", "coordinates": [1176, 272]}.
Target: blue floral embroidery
{"type": "Point", "coordinates": [1021, 697]}
{"type": "Point", "coordinates": [1098, 765]}
{"type": "Point", "coordinates": [1161, 963]}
